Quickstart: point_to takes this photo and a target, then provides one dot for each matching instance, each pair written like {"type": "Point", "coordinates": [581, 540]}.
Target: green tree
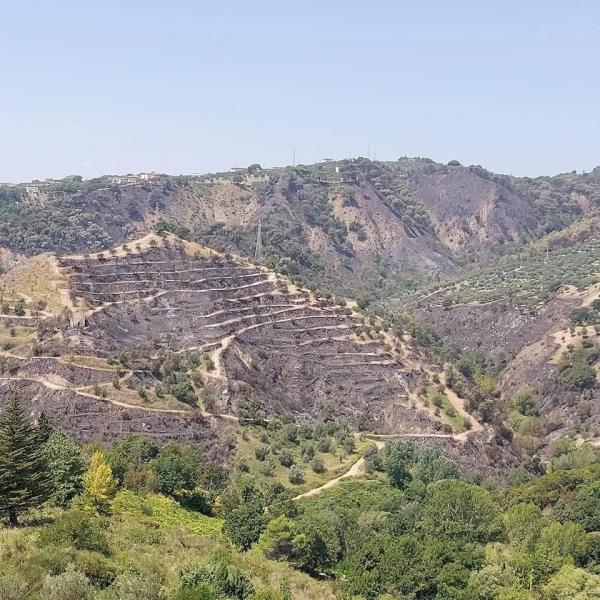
{"type": "Point", "coordinates": [397, 460]}
{"type": "Point", "coordinates": [277, 540]}
{"type": "Point", "coordinates": [460, 511]}
{"type": "Point", "coordinates": [431, 465]}
{"type": "Point", "coordinates": [130, 460]}
{"type": "Point", "coordinates": [176, 468]}
{"type": "Point", "coordinates": [523, 523]}
{"type": "Point", "coordinates": [24, 481]}
{"type": "Point", "coordinates": [586, 507]}
{"type": "Point", "coordinates": [559, 544]}
{"type": "Point", "coordinates": [44, 428]}
{"type": "Point", "coordinates": [373, 460]}
{"type": "Point", "coordinates": [317, 544]}
{"type": "Point", "coordinates": [571, 583]}
{"type": "Point", "coordinates": [244, 525]}
{"type": "Point", "coordinates": [66, 465]}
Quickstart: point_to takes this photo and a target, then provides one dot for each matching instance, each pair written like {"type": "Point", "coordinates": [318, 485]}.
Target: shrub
{"type": "Point", "coordinates": [262, 453]}
{"type": "Point", "coordinates": [77, 529]}
{"type": "Point", "coordinates": [308, 452]}
{"type": "Point", "coordinates": [267, 468]}
{"type": "Point", "coordinates": [296, 475]}
{"type": "Point", "coordinates": [578, 374]}
{"type": "Point", "coordinates": [525, 403]}
{"type": "Point", "coordinates": [19, 308]}
{"type": "Point", "coordinates": [373, 460]}
{"type": "Point", "coordinates": [348, 444]}
{"type": "Point", "coordinates": [438, 400]}
{"type": "Point", "coordinates": [99, 571]}
{"type": "Point", "coordinates": [12, 588]}
{"type": "Point", "coordinates": [221, 579]}
{"type": "Point", "coordinates": [325, 444]}
{"type": "Point", "coordinates": [317, 465]}
{"type": "Point", "coordinates": [286, 458]}
{"type": "Point", "coordinates": [70, 585]}
{"type": "Point", "coordinates": [134, 586]}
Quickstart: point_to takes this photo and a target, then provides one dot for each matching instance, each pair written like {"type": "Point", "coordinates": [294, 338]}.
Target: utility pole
{"type": "Point", "coordinates": [258, 250]}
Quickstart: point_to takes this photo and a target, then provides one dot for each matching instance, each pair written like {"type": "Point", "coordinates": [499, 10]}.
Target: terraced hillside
{"type": "Point", "coordinates": [275, 348]}
{"type": "Point", "coordinates": [175, 340]}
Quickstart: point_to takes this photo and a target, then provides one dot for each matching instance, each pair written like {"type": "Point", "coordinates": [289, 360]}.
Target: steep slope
{"type": "Point", "coordinates": [272, 345]}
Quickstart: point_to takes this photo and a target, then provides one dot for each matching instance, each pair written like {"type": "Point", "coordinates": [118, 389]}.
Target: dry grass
{"type": "Point", "coordinates": [22, 336]}
{"type": "Point", "coordinates": [126, 395]}
{"type": "Point", "coordinates": [35, 279]}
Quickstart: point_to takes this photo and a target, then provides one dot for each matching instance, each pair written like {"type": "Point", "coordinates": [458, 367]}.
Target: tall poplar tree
{"type": "Point", "coordinates": [24, 481]}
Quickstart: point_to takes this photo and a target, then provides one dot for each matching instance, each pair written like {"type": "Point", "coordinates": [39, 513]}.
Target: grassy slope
{"type": "Point", "coordinates": [150, 535]}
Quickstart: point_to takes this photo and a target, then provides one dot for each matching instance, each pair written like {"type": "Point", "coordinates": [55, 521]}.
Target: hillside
{"type": "Point", "coordinates": [397, 397]}
{"type": "Point", "coordinates": [350, 226]}
{"type": "Point", "coordinates": [535, 312]}
{"type": "Point", "coordinates": [491, 263]}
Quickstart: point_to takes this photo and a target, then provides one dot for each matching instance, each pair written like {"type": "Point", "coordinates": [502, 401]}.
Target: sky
{"type": "Point", "coordinates": [188, 86]}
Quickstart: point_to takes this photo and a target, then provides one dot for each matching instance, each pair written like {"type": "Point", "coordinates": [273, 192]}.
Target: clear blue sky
{"type": "Point", "coordinates": [192, 86]}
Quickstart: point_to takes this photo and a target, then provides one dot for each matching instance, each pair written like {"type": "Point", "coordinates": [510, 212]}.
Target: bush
{"type": "Point", "coordinates": [325, 444]}
{"type": "Point", "coordinates": [133, 586]}
{"type": "Point", "coordinates": [286, 458]}
{"type": "Point", "coordinates": [267, 468]}
{"type": "Point", "coordinates": [578, 374]}
{"type": "Point", "coordinates": [296, 475]}
{"type": "Point", "coordinates": [373, 460]}
{"type": "Point", "coordinates": [77, 529]}
{"type": "Point", "coordinates": [70, 585]}
{"type": "Point", "coordinates": [262, 452]}
{"type": "Point", "coordinates": [12, 588]}
{"type": "Point", "coordinates": [525, 403]}
{"type": "Point", "coordinates": [220, 579]}
{"type": "Point", "coordinates": [317, 465]}
{"type": "Point", "coordinates": [99, 571]}
{"type": "Point", "coordinates": [308, 452]}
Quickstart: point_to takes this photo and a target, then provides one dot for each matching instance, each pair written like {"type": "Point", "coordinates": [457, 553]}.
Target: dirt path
{"type": "Point", "coordinates": [80, 391]}
{"type": "Point", "coordinates": [357, 468]}
{"type": "Point", "coordinates": [459, 405]}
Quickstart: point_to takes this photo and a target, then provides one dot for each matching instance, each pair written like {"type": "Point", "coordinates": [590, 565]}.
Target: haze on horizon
{"type": "Point", "coordinates": [185, 87]}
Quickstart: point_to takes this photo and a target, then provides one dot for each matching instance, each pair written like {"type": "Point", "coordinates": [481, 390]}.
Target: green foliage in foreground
{"type": "Point", "coordinates": [411, 528]}
{"type": "Point", "coordinates": [447, 538]}
{"type": "Point", "coordinates": [163, 511]}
